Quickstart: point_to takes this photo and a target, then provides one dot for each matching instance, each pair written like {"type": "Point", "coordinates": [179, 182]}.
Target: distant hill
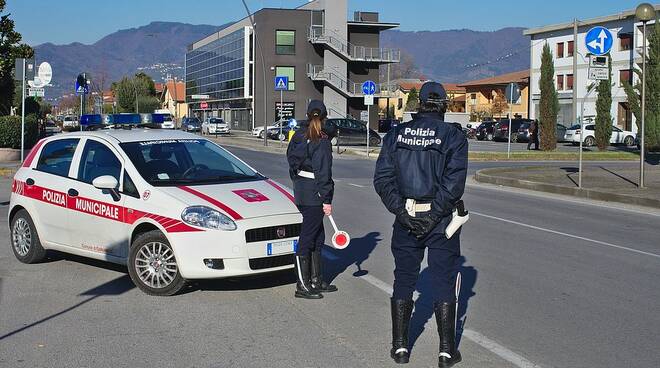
{"type": "Point", "coordinates": [462, 55]}
{"type": "Point", "coordinates": [159, 48]}
{"type": "Point", "coordinates": [122, 53]}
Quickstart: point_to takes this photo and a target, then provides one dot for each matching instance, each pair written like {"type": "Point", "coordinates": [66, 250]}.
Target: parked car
{"type": "Point", "coordinates": [485, 130]}
{"type": "Point", "coordinates": [281, 134]}
{"type": "Point", "coordinates": [70, 122]}
{"type": "Point", "coordinates": [258, 131]}
{"type": "Point", "coordinates": [501, 129]}
{"type": "Point", "coordinates": [350, 131]}
{"type": "Point", "coordinates": [619, 136]}
{"type": "Point", "coordinates": [560, 132]}
{"type": "Point", "coordinates": [523, 134]}
{"type": "Point", "coordinates": [215, 126]}
{"type": "Point", "coordinates": [385, 125]}
{"type": "Point", "coordinates": [191, 125]}
{"type": "Point", "coordinates": [470, 132]}
{"type": "Point", "coordinates": [51, 128]}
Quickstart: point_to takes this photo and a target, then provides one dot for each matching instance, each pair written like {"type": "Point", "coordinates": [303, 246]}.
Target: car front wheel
{"type": "Point", "coordinates": [589, 141]}
{"type": "Point", "coordinates": [24, 239]}
{"type": "Point", "coordinates": [152, 265]}
{"type": "Point", "coordinates": [629, 141]}
{"type": "Point", "coordinates": [261, 134]}
{"type": "Point", "coordinates": [489, 137]}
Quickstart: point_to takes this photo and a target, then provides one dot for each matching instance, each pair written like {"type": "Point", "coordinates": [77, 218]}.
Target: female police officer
{"type": "Point", "coordinates": [310, 167]}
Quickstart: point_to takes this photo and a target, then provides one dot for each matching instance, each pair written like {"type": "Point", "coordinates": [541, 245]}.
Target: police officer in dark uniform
{"type": "Point", "coordinates": [310, 166]}
{"type": "Point", "coordinates": [420, 177]}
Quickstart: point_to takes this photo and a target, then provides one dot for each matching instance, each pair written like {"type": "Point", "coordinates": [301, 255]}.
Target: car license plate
{"type": "Point", "coordinates": [281, 247]}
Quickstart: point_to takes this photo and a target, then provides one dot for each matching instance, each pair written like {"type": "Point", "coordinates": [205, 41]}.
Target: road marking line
{"type": "Point", "coordinates": [563, 198]}
{"type": "Point", "coordinates": [357, 185]}
{"type": "Point", "coordinates": [567, 235]}
{"type": "Point", "coordinates": [476, 337]}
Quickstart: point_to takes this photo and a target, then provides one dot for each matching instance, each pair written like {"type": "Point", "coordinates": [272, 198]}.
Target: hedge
{"type": "Point", "coordinates": [10, 131]}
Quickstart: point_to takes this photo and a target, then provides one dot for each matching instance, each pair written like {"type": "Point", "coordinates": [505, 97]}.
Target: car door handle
{"type": "Point", "coordinates": [72, 192]}
{"type": "Point", "coordinates": [29, 181]}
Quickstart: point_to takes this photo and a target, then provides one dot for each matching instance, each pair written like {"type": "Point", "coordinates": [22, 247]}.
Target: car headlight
{"type": "Point", "coordinates": [206, 217]}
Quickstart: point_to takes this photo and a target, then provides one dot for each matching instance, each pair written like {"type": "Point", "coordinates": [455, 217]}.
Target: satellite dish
{"type": "Point", "coordinates": [45, 73]}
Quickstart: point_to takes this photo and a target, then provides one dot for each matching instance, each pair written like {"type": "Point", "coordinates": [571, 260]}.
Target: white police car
{"type": "Point", "coordinates": [170, 205]}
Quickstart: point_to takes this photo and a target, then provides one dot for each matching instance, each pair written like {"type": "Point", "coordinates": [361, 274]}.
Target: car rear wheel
{"type": "Point", "coordinates": [589, 141]}
{"type": "Point", "coordinates": [24, 239]}
{"type": "Point", "coordinates": [629, 141]}
{"type": "Point", "coordinates": [489, 137]}
{"type": "Point", "coordinates": [374, 141]}
{"type": "Point", "coordinates": [152, 265]}
{"type": "Point", "coordinates": [261, 134]}
{"type": "Point", "coordinates": [514, 138]}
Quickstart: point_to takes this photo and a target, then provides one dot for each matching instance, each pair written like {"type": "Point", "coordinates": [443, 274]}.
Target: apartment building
{"type": "Point", "coordinates": [625, 57]}
{"type": "Point", "coordinates": [325, 56]}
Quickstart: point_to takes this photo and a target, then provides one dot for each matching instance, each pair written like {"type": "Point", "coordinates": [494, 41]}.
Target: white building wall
{"type": "Point", "coordinates": [621, 60]}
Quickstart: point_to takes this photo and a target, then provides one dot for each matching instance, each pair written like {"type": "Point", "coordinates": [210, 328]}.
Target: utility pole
{"type": "Point", "coordinates": [23, 114]}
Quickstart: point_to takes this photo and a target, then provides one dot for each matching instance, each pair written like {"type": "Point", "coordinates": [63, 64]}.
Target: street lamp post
{"type": "Point", "coordinates": [644, 12]}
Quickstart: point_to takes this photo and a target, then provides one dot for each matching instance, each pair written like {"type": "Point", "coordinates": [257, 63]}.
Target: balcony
{"type": "Point", "coordinates": [340, 83]}
{"type": "Point", "coordinates": [350, 52]}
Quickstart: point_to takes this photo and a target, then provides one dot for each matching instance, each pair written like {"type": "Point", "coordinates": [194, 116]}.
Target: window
{"type": "Point", "coordinates": [570, 49]}
{"type": "Point", "coordinates": [625, 75]}
{"type": "Point", "coordinates": [625, 41]}
{"type": "Point", "coordinates": [569, 82]}
{"type": "Point", "coordinates": [560, 50]}
{"type": "Point", "coordinates": [98, 160]}
{"type": "Point", "coordinates": [560, 82]}
{"type": "Point", "coordinates": [56, 156]}
{"type": "Point", "coordinates": [129, 186]}
{"type": "Point", "coordinates": [285, 42]}
{"type": "Point", "coordinates": [289, 71]}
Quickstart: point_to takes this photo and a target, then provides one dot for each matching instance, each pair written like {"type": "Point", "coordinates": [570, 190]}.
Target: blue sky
{"type": "Point", "coordinates": [86, 21]}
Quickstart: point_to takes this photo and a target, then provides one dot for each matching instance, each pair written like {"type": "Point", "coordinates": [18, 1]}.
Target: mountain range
{"type": "Point", "coordinates": [159, 49]}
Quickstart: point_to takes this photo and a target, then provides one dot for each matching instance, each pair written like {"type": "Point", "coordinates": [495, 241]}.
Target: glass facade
{"type": "Point", "coordinates": [217, 68]}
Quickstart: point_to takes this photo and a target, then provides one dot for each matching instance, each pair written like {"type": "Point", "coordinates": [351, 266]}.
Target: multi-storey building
{"type": "Point", "coordinates": [325, 56]}
{"type": "Point", "coordinates": [625, 56]}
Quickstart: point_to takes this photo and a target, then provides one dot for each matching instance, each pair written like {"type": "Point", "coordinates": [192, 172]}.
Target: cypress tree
{"type": "Point", "coordinates": [603, 129]}
{"type": "Point", "coordinates": [652, 117]}
{"type": "Point", "coordinates": [549, 103]}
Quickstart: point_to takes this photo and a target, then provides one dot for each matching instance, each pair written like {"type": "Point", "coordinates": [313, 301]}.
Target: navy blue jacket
{"type": "Point", "coordinates": [315, 157]}
{"type": "Point", "coordinates": [425, 159]}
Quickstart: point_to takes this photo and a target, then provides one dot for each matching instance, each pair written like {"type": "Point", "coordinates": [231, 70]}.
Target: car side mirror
{"type": "Point", "coordinates": [108, 184]}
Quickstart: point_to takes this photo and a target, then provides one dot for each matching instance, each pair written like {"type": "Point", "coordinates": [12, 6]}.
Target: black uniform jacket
{"type": "Point", "coordinates": [425, 159]}
{"type": "Point", "coordinates": [314, 157]}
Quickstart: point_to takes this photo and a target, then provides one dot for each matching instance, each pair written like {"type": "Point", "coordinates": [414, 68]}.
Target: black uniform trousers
{"type": "Point", "coordinates": [442, 257]}
{"type": "Point", "coordinates": [312, 233]}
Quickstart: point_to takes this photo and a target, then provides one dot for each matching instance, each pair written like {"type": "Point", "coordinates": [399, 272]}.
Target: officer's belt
{"type": "Point", "coordinates": [413, 207]}
{"type": "Point", "coordinates": [306, 174]}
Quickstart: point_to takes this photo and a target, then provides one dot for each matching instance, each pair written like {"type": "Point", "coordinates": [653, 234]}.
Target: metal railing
{"type": "Point", "coordinates": [348, 87]}
{"type": "Point", "coordinates": [350, 51]}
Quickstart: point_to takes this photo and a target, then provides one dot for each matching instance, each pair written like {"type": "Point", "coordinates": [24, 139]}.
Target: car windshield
{"type": "Point", "coordinates": [216, 121]}
{"type": "Point", "coordinates": [193, 121]}
{"type": "Point", "coordinates": [186, 162]}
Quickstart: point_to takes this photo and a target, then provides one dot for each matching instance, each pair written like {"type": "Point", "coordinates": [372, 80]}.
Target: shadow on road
{"type": "Point", "coordinates": [117, 286]}
{"type": "Point", "coordinates": [266, 281]}
{"type": "Point", "coordinates": [338, 261]}
{"type": "Point", "coordinates": [424, 303]}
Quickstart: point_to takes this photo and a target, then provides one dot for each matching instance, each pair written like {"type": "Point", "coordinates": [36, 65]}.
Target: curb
{"type": "Point", "coordinates": [490, 176]}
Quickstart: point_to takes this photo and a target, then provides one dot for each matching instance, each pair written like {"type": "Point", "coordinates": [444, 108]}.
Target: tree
{"type": "Point", "coordinates": [413, 100]}
{"type": "Point", "coordinates": [140, 87]}
{"type": "Point", "coordinates": [549, 103]}
{"type": "Point", "coordinates": [652, 116]}
{"type": "Point", "coordinates": [499, 104]}
{"type": "Point", "coordinates": [10, 49]}
{"type": "Point", "coordinates": [603, 130]}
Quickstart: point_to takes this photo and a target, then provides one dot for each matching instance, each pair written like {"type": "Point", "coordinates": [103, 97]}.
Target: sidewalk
{"type": "Point", "coordinates": [615, 184]}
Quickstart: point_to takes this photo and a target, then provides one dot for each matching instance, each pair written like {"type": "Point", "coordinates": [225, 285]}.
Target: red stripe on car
{"type": "Point", "coordinates": [33, 152]}
{"type": "Point", "coordinates": [213, 201]}
{"type": "Point", "coordinates": [281, 190]}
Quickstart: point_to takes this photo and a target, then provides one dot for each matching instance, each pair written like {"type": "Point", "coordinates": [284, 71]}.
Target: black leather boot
{"type": "Point", "coordinates": [445, 316]}
{"type": "Point", "coordinates": [304, 287]}
{"type": "Point", "coordinates": [401, 311]}
{"type": "Point", "coordinates": [317, 275]}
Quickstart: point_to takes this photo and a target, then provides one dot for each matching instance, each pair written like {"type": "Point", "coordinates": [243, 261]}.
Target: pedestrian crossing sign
{"type": "Point", "coordinates": [282, 83]}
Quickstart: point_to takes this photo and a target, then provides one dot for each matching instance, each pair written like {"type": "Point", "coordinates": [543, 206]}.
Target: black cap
{"type": "Point", "coordinates": [432, 92]}
{"type": "Point", "coordinates": [316, 108]}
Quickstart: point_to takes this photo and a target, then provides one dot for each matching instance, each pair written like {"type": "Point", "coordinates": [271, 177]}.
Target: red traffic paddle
{"type": "Point", "coordinates": [340, 239]}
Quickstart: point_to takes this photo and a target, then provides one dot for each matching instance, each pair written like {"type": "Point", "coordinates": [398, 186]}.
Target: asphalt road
{"type": "Point", "coordinates": [547, 282]}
